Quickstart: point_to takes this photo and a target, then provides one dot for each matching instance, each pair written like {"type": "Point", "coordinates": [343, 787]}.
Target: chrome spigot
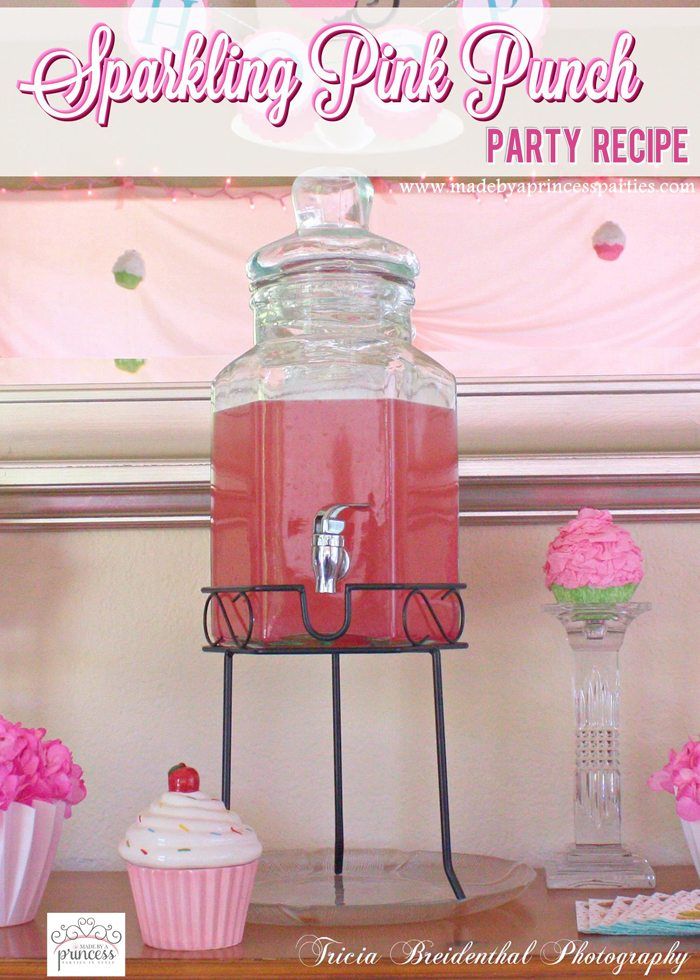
{"type": "Point", "coordinates": [329, 558]}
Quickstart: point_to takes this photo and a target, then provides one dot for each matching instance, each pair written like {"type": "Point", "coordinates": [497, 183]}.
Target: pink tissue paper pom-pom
{"type": "Point", "coordinates": [33, 769]}
{"type": "Point", "coordinates": [9, 783]}
{"type": "Point", "coordinates": [661, 781]}
{"type": "Point", "coordinates": [688, 805]}
{"type": "Point", "coordinates": [681, 777]}
{"type": "Point", "coordinates": [591, 550]}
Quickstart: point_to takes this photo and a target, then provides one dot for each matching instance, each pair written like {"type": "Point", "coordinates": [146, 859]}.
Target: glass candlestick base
{"type": "Point", "coordinates": [599, 866]}
{"type": "Point", "coordinates": [598, 858]}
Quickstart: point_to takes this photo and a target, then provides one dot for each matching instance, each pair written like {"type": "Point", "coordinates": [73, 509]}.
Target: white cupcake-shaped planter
{"type": "Point", "coordinates": [692, 835]}
{"type": "Point", "coordinates": [681, 777]}
{"type": "Point", "coordinates": [39, 782]}
{"type": "Point", "coordinates": [29, 837]}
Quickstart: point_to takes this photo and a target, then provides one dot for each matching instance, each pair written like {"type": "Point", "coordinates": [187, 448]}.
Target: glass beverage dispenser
{"type": "Point", "coordinates": [334, 454]}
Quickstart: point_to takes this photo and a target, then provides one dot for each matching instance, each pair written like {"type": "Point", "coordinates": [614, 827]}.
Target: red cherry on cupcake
{"type": "Point", "coordinates": [183, 779]}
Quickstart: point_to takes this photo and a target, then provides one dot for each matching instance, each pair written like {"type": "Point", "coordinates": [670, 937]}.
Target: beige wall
{"type": "Point", "coordinates": [99, 642]}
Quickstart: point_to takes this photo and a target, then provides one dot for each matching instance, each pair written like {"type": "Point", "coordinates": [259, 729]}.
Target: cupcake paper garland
{"type": "Point", "coordinates": [609, 241]}
{"type": "Point", "coordinates": [129, 269]}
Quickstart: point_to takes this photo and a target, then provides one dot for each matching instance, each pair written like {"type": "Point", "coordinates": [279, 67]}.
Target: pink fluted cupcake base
{"type": "Point", "coordinates": [199, 908]}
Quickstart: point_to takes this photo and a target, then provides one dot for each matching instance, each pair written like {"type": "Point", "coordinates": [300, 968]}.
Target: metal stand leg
{"type": "Point", "coordinates": [442, 777]}
{"type": "Point", "coordinates": [337, 766]}
{"type": "Point", "coordinates": [226, 743]}
{"type": "Point", "coordinates": [338, 761]}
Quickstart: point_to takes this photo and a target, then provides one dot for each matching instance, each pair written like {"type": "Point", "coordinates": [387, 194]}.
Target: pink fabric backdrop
{"type": "Point", "coordinates": [507, 288]}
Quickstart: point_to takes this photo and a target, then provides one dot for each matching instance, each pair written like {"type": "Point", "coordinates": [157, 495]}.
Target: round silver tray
{"type": "Point", "coordinates": [378, 887]}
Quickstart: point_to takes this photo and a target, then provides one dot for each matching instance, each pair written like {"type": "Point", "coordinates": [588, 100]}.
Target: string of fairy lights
{"type": "Point", "coordinates": [129, 187]}
{"type": "Point", "coordinates": [155, 187]}
{"type": "Point", "coordinates": [151, 187]}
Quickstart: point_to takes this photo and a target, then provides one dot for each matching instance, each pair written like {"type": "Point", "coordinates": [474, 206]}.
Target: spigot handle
{"type": "Point", "coordinates": [329, 558]}
{"type": "Point", "coordinates": [326, 521]}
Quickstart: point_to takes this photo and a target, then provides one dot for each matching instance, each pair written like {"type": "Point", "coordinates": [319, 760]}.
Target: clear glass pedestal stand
{"type": "Point", "coordinates": [598, 857]}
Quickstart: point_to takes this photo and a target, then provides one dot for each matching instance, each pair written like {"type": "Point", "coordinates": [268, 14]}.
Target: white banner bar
{"type": "Point", "coordinates": [186, 90]}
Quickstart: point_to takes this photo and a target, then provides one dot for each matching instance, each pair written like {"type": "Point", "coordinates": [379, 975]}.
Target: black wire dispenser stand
{"type": "Point", "coordinates": [238, 601]}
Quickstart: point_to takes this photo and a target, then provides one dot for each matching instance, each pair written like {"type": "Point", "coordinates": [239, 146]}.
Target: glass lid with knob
{"type": "Point", "coordinates": [332, 211]}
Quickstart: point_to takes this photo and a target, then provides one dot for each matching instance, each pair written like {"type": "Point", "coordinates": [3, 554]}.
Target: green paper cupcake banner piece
{"type": "Point", "coordinates": [129, 364]}
{"type": "Point", "coordinates": [586, 594]}
{"type": "Point", "coordinates": [127, 279]}
{"type": "Point", "coordinates": [129, 269]}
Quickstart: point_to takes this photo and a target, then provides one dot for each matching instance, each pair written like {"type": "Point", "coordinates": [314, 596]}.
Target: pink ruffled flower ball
{"type": "Point", "coordinates": [32, 768]}
{"type": "Point", "coordinates": [593, 560]}
{"type": "Point", "coordinates": [681, 777]}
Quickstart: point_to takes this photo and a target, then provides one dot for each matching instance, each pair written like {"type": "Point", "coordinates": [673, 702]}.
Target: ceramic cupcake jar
{"type": "Point", "coordinates": [593, 560]}
{"type": "Point", "coordinates": [191, 865]}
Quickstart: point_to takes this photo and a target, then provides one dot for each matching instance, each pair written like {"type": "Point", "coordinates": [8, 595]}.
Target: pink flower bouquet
{"type": "Point", "coordinates": [39, 783]}
{"type": "Point", "coordinates": [681, 777]}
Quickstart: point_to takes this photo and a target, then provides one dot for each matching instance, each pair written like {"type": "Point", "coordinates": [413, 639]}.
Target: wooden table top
{"type": "Point", "coordinates": [270, 951]}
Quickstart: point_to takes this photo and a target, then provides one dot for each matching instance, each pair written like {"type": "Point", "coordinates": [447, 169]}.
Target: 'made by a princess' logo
{"type": "Point", "coordinates": [90, 944]}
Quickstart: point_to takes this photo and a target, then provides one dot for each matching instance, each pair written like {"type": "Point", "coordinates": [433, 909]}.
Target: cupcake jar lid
{"type": "Point", "coordinates": [185, 828]}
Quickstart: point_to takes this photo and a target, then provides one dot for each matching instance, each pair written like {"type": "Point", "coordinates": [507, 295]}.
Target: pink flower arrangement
{"type": "Point", "coordinates": [681, 776]}
{"type": "Point", "coordinates": [32, 768]}
{"type": "Point", "coordinates": [593, 551]}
